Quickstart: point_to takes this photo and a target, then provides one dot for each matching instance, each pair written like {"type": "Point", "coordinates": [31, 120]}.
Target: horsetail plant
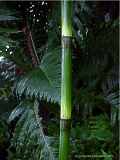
{"type": "Point", "coordinates": [66, 103]}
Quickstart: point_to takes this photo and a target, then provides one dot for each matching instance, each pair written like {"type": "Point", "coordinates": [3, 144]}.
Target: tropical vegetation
{"type": "Point", "coordinates": [34, 97]}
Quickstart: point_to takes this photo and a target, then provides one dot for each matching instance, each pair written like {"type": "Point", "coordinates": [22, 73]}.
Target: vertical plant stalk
{"type": "Point", "coordinates": [66, 80]}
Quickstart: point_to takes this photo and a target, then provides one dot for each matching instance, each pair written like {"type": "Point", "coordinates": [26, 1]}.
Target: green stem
{"type": "Point", "coordinates": [64, 139]}
{"type": "Point", "coordinates": [66, 81]}
{"type": "Point", "coordinates": [66, 59]}
{"type": "Point", "coordinates": [66, 8]}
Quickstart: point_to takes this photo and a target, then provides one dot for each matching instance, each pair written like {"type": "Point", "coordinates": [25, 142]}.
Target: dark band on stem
{"type": "Point", "coordinates": [65, 124]}
{"type": "Point", "coordinates": [66, 41]}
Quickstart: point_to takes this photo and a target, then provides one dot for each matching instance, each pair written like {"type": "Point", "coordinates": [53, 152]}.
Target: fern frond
{"type": "Point", "coordinates": [47, 140]}
{"type": "Point", "coordinates": [43, 82]}
{"type": "Point", "coordinates": [113, 98]}
{"type": "Point", "coordinates": [7, 14]}
{"type": "Point", "coordinates": [7, 18]}
{"type": "Point", "coordinates": [29, 138]}
{"type": "Point", "coordinates": [16, 112]}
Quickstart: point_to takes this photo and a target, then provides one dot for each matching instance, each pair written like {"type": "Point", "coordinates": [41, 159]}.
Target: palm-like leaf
{"type": "Point", "coordinates": [29, 135]}
{"type": "Point", "coordinates": [43, 82]}
{"type": "Point", "coordinates": [7, 14]}
{"type": "Point", "coordinates": [113, 99]}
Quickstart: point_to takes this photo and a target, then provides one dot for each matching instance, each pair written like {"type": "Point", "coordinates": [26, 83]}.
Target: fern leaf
{"type": "Point", "coordinates": [29, 135]}
{"type": "Point", "coordinates": [7, 14]}
{"type": "Point", "coordinates": [43, 82]}
{"type": "Point", "coordinates": [17, 112]}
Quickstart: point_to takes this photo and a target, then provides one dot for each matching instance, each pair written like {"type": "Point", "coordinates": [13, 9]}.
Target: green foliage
{"type": "Point", "coordinates": [93, 138]}
{"type": "Point", "coordinates": [10, 48]}
{"type": "Point", "coordinates": [41, 82]}
{"type": "Point", "coordinates": [95, 128]}
{"type": "Point", "coordinates": [96, 73]}
{"type": "Point", "coordinates": [100, 128]}
{"type": "Point", "coordinates": [113, 98]}
{"type": "Point", "coordinates": [7, 14]}
{"type": "Point", "coordinates": [4, 137]}
{"type": "Point", "coordinates": [29, 140]}
{"type": "Point", "coordinates": [5, 92]}
{"type": "Point", "coordinates": [4, 134]}
{"type": "Point", "coordinates": [97, 41]}
{"type": "Point", "coordinates": [5, 29]}
{"type": "Point", "coordinates": [11, 45]}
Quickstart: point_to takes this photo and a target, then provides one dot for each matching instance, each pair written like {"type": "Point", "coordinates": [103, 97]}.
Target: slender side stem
{"type": "Point", "coordinates": [66, 104]}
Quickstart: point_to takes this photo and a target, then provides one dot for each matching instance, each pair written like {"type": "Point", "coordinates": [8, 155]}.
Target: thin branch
{"type": "Point", "coordinates": [34, 49]}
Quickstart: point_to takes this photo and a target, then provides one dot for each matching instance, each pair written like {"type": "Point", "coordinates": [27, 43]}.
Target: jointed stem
{"type": "Point", "coordinates": [66, 104]}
